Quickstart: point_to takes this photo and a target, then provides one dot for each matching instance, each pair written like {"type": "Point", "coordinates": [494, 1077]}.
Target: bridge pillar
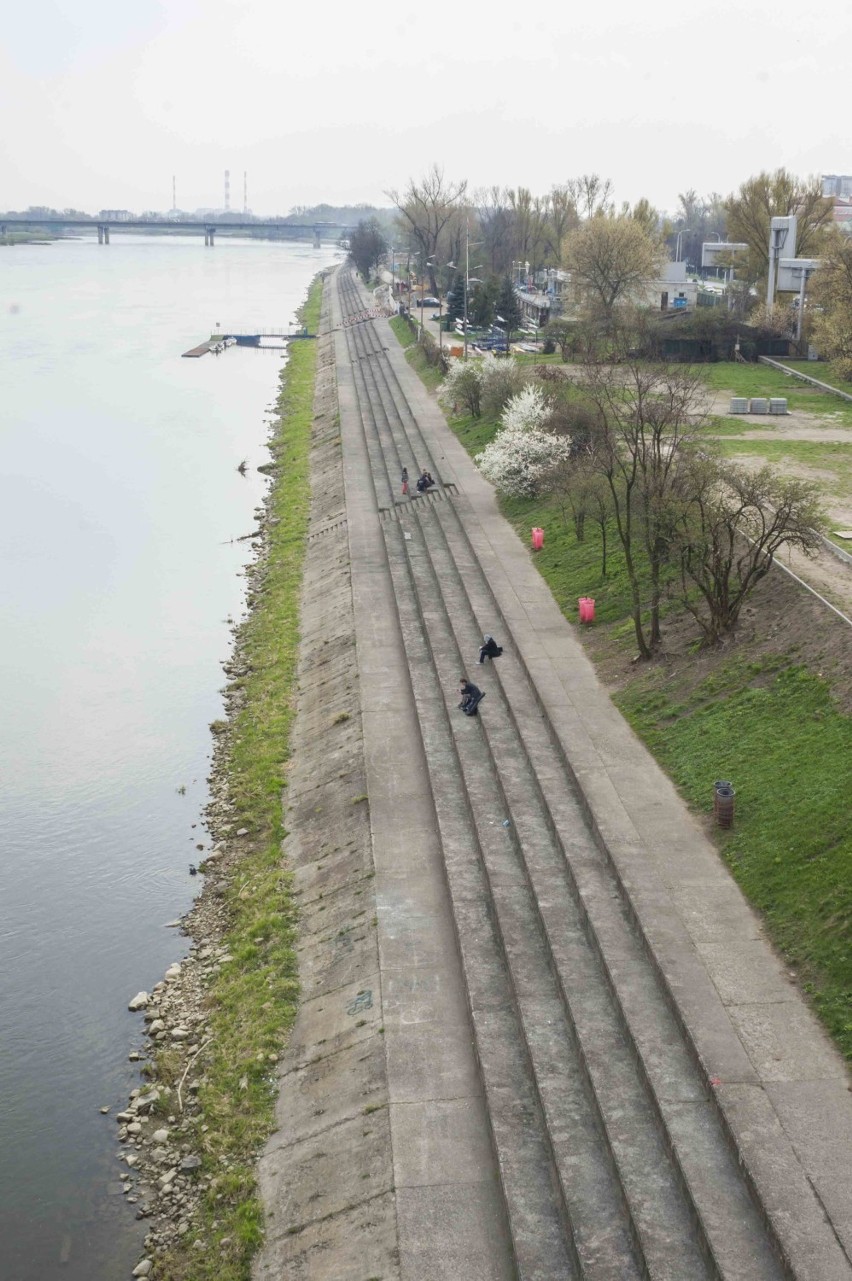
{"type": "Point", "coordinates": [106, 235]}
{"type": "Point", "coordinates": [208, 236]}
{"type": "Point", "coordinates": [317, 241]}
{"type": "Point", "coordinates": [100, 234]}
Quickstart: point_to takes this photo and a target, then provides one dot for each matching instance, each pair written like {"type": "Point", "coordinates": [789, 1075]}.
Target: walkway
{"type": "Point", "coordinates": [596, 1068]}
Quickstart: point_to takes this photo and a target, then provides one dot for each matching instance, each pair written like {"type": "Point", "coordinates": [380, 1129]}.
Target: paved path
{"type": "Point", "coordinates": [596, 1066]}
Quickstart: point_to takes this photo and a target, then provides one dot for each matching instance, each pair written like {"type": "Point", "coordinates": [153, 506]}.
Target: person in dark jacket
{"type": "Point", "coordinates": [490, 648]}
{"type": "Point", "coordinates": [471, 696]}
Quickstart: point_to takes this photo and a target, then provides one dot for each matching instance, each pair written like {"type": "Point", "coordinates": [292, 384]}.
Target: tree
{"type": "Point", "coordinates": [426, 209]}
{"type": "Point", "coordinates": [455, 299]}
{"type": "Point", "coordinates": [647, 421]}
{"type": "Point", "coordinates": [832, 292]}
{"type": "Point", "coordinates": [367, 246]}
{"type": "Point", "coordinates": [463, 387]}
{"type": "Point", "coordinates": [507, 308]}
{"type": "Point", "coordinates": [591, 194]}
{"type": "Point", "coordinates": [481, 302]}
{"type": "Point", "coordinates": [609, 258]}
{"type": "Point", "coordinates": [530, 216]}
{"type": "Point", "coordinates": [518, 461]}
{"type": "Point", "coordinates": [496, 221]}
{"type": "Point", "coordinates": [773, 195]}
{"type": "Point", "coordinates": [732, 528]}
{"type": "Point", "coordinates": [563, 217]}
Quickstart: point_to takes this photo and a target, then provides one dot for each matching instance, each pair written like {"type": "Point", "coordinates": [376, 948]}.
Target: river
{"type": "Point", "coordinates": [119, 500]}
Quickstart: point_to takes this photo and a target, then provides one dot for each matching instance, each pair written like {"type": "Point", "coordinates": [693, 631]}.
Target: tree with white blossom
{"type": "Point", "coordinates": [527, 410]}
{"type": "Point", "coordinates": [518, 461]}
{"type": "Point", "coordinates": [462, 386]}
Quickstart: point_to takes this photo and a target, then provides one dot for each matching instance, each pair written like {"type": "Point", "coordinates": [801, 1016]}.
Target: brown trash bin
{"type": "Point", "coordinates": [723, 802]}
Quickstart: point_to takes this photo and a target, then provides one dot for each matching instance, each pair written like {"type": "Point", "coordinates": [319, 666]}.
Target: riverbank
{"type": "Point", "coordinates": [769, 709]}
{"type": "Point", "coordinates": [218, 1020]}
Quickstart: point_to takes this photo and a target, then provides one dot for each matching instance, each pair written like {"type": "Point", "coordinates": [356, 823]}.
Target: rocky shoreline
{"type": "Point", "coordinates": [161, 1131]}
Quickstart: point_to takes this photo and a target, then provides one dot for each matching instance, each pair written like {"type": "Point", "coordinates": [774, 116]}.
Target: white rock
{"type": "Point", "coordinates": [142, 1268]}
{"type": "Point", "coordinates": [139, 1002]}
{"type": "Point", "coordinates": [160, 1136]}
{"type": "Point", "coordinates": [134, 1128]}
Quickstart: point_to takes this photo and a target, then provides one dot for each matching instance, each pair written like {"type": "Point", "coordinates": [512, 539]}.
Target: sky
{"type": "Point", "coordinates": [341, 102]}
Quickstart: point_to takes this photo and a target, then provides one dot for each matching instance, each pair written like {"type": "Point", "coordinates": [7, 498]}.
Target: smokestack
{"type": "Point", "coordinates": [227, 190]}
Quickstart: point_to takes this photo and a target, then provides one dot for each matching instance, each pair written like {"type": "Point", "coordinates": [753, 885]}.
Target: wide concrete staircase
{"type": "Point", "coordinates": [614, 1158]}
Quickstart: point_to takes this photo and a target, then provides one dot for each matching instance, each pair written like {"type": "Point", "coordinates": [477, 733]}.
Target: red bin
{"type": "Point", "coordinates": [537, 539]}
{"type": "Point", "coordinates": [587, 609]}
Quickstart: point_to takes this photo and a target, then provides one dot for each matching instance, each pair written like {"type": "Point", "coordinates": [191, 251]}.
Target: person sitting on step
{"type": "Point", "coordinates": [471, 696]}
{"type": "Point", "coordinates": [490, 648]}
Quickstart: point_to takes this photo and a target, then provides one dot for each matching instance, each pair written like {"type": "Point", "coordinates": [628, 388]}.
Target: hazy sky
{"type": "Point", "coordinates": [102, 102]}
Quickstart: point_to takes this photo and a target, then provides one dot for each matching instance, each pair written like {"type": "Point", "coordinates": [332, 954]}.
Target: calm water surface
{"type": "Point", "coordinates": [119, 498]}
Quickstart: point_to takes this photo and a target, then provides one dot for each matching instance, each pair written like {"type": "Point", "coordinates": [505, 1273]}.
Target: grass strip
{"type": "Point", "coordinates": [758, 716]}
{"type": "Point", "coordinates": [253, 1000]}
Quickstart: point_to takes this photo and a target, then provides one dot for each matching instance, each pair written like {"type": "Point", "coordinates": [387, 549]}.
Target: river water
{"type": "Point", "coordinates": [119, 501]}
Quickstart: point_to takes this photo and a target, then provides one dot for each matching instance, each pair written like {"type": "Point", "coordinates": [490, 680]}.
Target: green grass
{"type": "Point", "coordinates": [824, 370]}
{"type": "Point", "coordinates": [253, 999]}
{"type": "Point", "coordinates": [761, 719]}
{"type": "Point", "coordinates": [762, 380]}
{"type": "Point", "coordinates": [772, 728]}
{"type": "Point", "coordinates": [402, 329]}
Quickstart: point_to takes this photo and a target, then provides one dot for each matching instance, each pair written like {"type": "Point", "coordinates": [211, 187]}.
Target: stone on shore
{"type": "Point", "coordinates": [139, 1002]}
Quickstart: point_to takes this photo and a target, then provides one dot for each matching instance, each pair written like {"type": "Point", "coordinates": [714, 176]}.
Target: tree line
{"type": "Point", "coordinates": [609, 250]}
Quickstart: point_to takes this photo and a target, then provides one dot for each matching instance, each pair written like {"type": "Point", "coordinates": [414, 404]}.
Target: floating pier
{"type": "Point", "coordinates": [220, 342]}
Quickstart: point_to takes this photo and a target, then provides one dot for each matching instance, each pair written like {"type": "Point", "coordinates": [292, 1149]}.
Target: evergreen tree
{"type": "Point", "coordinates": [455, 299]}
{"type": "Point", "coordinates": [508, 307]}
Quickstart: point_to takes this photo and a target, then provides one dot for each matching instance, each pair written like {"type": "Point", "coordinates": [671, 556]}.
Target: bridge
{"type": "Point", "coordinates": [209, 226]}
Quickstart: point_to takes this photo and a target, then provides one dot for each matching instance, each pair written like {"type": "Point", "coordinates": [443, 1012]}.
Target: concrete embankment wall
{"type": "Point", "coordinates": [326, 1175]}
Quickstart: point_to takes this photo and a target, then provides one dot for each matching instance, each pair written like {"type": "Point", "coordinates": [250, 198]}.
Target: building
{"type": "Point", "coordinates": [837, 184]}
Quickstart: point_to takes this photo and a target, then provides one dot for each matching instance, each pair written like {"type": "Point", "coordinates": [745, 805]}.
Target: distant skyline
{"type": "Point", "coordinates": [103, 103]}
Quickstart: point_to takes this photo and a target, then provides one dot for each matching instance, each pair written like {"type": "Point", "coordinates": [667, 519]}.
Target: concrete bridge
{"type": "Point", "coordinates": [209, 226]}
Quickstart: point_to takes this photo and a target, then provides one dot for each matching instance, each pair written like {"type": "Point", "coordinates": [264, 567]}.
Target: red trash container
{"type": "Point", "coordinates": [537, 539]}
{"type": "Point", "coordinates": [587, 609]}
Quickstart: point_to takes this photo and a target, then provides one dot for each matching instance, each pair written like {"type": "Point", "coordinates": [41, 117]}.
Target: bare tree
{"type": "Point", "coordinates": [563, 217]}
{"type": "Point", "coordinates": [426, 209]}
{"type": "Point", "coordinates": [591, 194]}
{"type": "Point", "coordinates": [648, 420]}
{"type": "Point", "coordinates": [496, 221]}
{"type": "Point", "coordinates": [367, 246]}
{"type": "Point", "coordinates": [777, 194]}
{"type": "Point", "coordinates": [732, 528]}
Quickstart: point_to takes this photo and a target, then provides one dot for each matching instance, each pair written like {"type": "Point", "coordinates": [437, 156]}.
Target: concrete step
{"type": "Point", "coordinates": [562, 987]}
{"type": "Point", "coordinates": [644, 1023]}
{"type": "Point", "coordinates": [543, 1249]}
{"type": "Point", "coordinates": [660, 1214]}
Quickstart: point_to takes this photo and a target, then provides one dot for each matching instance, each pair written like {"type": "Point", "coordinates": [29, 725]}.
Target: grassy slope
{"type": "Point", "coordinates": [760, 719]}
{"type": "Point", "coordinates": [253, 999]}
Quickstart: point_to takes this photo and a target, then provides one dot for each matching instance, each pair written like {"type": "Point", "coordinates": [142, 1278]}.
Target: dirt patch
{"type": "Point", "coordinates": [780, 618]}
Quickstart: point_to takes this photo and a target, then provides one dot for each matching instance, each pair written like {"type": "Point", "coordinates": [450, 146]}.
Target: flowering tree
{"type": "Point", "coordinates": [517, 460]}
{"type": "Point", "coordinates": [527, 410]}
{"type": "Point", "coordinates": [463, 386]}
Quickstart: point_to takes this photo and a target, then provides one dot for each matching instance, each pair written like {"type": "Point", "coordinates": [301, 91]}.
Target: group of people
{"type": "Point", "coordinates": [472, 695]}
{"type": "Point", "coordinates": [425, 481]}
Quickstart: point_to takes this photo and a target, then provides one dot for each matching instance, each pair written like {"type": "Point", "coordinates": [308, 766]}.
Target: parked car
{"type": "Point", "coordinates": [428, 301]}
